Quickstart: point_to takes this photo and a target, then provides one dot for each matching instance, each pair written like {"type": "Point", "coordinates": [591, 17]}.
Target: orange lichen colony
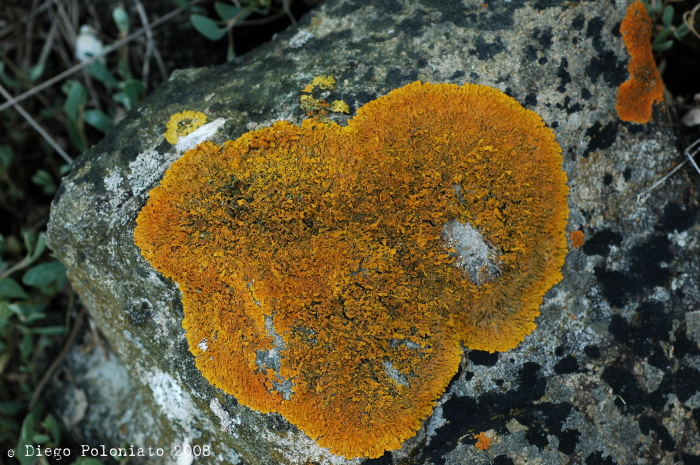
{"type": "Point", "coordinates": [636, 95]}
{"type": "Point", "coordinates": [483, 442]}
{"type": "Point", "coordinates": [316, 278]}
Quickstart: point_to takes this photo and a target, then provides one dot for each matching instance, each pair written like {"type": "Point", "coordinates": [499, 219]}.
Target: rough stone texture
{"type": "Point", "coordinates": [612, 372]}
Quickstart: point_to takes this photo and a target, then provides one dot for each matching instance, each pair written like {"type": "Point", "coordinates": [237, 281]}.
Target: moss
{"type": "Point", "coordinates": [181, 124]}
{"type": "Point", "coordinates": [637, 95]}
{"type": "Point", "coordinates": [315, 275]}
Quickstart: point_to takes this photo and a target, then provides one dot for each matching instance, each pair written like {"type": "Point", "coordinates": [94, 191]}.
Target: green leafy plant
{"type": "Point", "coordinates": [663, 14]}
{"type": "Point", "coordinates": [28, 287]}
{"type": "Point", "coordinates": [230, 15]}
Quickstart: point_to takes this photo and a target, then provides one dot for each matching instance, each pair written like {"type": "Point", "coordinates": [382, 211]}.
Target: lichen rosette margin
{"type": "Point", "coordinates": [316, 279]}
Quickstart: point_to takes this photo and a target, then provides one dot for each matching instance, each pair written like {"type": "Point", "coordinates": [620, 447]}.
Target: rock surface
{"type": "Point", "coordinates": [612, 372]}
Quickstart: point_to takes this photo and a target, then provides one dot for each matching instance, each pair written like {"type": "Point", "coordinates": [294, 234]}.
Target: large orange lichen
{"type": "Point", "coordinates": [636, 96]}
{"type": "Point", "coordinates": [319, 276]}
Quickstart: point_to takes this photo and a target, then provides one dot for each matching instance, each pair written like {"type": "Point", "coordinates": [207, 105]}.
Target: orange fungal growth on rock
{"type": "Point", "coordinates": [636, 96]}
{"type": "Point", "coordinates": [330, 273]}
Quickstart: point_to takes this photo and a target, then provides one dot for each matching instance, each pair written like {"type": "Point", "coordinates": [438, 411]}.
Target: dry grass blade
{"type": "Point", "coordinates": [689, 20]}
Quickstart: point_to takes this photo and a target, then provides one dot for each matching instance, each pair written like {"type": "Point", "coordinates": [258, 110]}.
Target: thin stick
{"type": "Point", "coordinates": [691, 155]}
{"type": "Point", "coordinates": [92, 59]}
{"type": "Point", "coordinates": [29, 32]}
{"type": "Point", "coordinates": [285, 6]}
{"type": "Point", "coordinates": [36, 126]}
{"type": "Point", "coordinates": [151, 48]}
{"type": "Point", "coordinates": [642, 197]}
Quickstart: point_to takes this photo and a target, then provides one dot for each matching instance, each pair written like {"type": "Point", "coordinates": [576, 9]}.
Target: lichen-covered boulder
{"type": "Point", "coordinates": [609, 374]}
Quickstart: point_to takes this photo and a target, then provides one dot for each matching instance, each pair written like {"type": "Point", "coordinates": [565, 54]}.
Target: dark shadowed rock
{"type": "Point", "coordinates": [612, 372]}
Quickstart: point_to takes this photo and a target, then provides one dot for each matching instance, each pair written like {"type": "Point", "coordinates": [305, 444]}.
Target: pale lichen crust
{"type": "Point", "coordinates": [315, 263]}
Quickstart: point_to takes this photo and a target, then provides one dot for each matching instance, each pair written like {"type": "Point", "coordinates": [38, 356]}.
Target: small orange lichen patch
{"type": "Point", "coordinates": [482, 441]}
{"type": "Point", "coordinates": [644, 86]}
{"type": "Point", "coordinates": [330, 273]}
{"type": "Point", "coordinates": [181, 124]}
{"type": "Point", "coordinates": [577, 238]}
{"type": "Point", "coordinates": [318, 108]}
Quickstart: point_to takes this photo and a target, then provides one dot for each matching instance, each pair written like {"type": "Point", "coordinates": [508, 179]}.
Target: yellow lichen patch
{"type": "Point", "coordinates": [636, 96]}
{"type": "Point", "coordinates": [319, 277]}
{"type": "Point", "coordinates": [322, 82]}
{"type": "Point", "coordinates": [339, 106]}
{"type": "Point", "coordinates": [181, 124]}
{"type": "Point", "coordinates": [483, 442]}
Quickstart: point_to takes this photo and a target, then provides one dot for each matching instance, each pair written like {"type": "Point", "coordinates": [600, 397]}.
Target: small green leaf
{"type": "Point", "coordinates": [667, 16]}
{"type": "Point", "coordinates": [45, 274]}
{"type": "Point", "coordinates": [661, 36]}
{"type": "Point", "coordinates": [4, 360]}
{"type": "Point", "coordinates": [121, 99]}
{"type": "Point", "coordinates": [7, 80]}
{"type": "Point", "coordinates": [5, 310]}
{"type": "Point", "coordinates": [40, 438]}
{"type": "Point", "coordinates": [36, 71]}
{"type": "Point", "coordinates": [121, 19]}
{"type": "Point", "coordinates": [134, 92]}
{"type": "Point", "coordinates": [11, 408]}
{"type": "Point", "coordinates": [27, 314]}
{"type": "Point", "coordinates": [75, 135]}
{"type": "Point", "coordinates": [45, 180]}
{"type": "Point", "coordinates": [662, 47]}
{"type": "Point", "coordinates": [25, 439]}
{"type": "Point", "coordinates": [100, 72]}
{"type": "Point", "coordinates": [226, 11]}
{"type": "Point", "coordinates": [49, 331]}
{"type": "Point", "coordinates": [10, 289]}
{"type": "Point", "coordinates": [124, 70]}
{"type": "Point", "coordinates": [98, 120]}
{"type": "Point", "coordinates": [51, 426]}
{"type": "Point", "coordinates": [182, 3]}
{"type": "Point", "coordinates": [682, 30]}
{"type": "Point", "coordinates": [7, 424]}
{"type": "Point", "coordinates": [6, 156]}
{"type": "Point", "coordinates": [26, 346]}
{"type": "Point", "coordinates": [36, 249]}
{"type": "Point", "coordinates": [207, 27]}
{"type": "Point", "coordinates": [75, 98]}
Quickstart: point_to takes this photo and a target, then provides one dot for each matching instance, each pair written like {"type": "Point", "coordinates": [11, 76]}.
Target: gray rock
{"type": "Point", "coordinates": [612, 372]}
